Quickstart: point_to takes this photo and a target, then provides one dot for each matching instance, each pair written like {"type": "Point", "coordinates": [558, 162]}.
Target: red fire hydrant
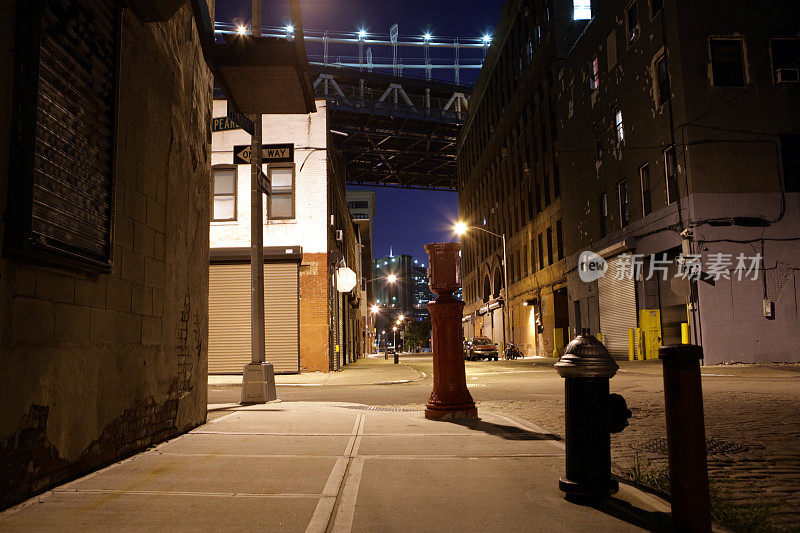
{"type": "Point", "coordinates": [450, 397]}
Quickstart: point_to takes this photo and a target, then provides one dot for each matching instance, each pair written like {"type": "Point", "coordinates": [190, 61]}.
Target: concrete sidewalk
{"type": "Point", "coordinates": [374, 370]}
{"type": "Point", "coordinates": [337, 467]}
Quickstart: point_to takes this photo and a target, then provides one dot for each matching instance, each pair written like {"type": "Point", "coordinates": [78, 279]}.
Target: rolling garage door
{"type": "Point", "coordinates": [229, 317]}
{"type": "Point", "coordinates": [617, 310]}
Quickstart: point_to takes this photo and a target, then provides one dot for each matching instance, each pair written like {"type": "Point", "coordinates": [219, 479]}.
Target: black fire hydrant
{"type": "Point", "coordinates": [591, 415]}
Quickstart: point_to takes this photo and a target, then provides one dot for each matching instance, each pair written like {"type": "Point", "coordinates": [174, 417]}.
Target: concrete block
{"type": "Point", "coordinates": [160, 246]}
{"type": "Point", "coordinates": [144, 239]}
{"type": "Point", "coordinates": [153, 273]}
{"type": "Point", "coordinates": [155, 214]}
{"type": "Point", "coordinates": [123, 231]}
{"type": "Point", "coordinates": [56, 287]}
{"type": "Point", "coordinates": [158, 302]}
{"type": "Point", "coordinates": [118, 296]}
{"type": "Point", "coordinates": [130, 328]}
{"type": "Point", "coordinates": [72, 322]}
{"type": "Point", "coordinates": [135, 204]}
{"type": "Point", "coordinates": [24, 281]}
{"type": "Point", "coordinates": [151, 330]}
{"type": "Point", "coordinates": [31, 320]}
{"type": "Point", "coordinates": [142, 300]}
{"type": "Point", "coordinates": [91, 292]}
{"type": "Point", "coordinates": [104, 325]}
{"type": "Point", "coordinates": [132, 266]}
{"type": "Point", "coordinates": [147, 181]}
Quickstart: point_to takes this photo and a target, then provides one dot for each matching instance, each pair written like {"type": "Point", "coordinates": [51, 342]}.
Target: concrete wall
{"type": "Point", "coordinates": [96, 367]}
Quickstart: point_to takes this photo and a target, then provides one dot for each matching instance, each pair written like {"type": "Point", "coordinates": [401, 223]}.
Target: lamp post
{"type": "Point", "coordinates": [390, 278]}
{"type": "Point", "coordinates": [461, 228]}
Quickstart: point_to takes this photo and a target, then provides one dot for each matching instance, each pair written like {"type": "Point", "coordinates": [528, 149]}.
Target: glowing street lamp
{"type": "Point", "coordinates": [375, 309]}
{"type": "Point", "coordinates": [461, 228]}
{"type": "Point", "coordinates": [241, 30]}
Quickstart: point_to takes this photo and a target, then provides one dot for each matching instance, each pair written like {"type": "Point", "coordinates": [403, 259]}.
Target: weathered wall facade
{"type": "Point", "coordinates": [728, 140]}
{"type": "Point", "coordinates": [99, 366]}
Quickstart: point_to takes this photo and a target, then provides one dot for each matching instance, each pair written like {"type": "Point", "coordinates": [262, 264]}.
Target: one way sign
{"type": "Point", "coordinates": [270, 153]}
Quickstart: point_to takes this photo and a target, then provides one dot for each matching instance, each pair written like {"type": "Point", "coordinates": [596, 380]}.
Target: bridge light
{"type": "Point", "coordinates": [289, 29]}
{"type": "Point", "coordinates": [427, 36]}
{"type": "Point", "coordinates": [241, 30]}
{"type": "Point", "coordinates": [487, 39]}
{"type": "Point", "coordinates": [362, 33]}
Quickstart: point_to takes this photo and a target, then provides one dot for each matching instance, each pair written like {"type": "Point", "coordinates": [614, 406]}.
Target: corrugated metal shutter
{"type": "Point", "coordinates": [229, 317]}
{"type": "Point", "coordinates": [282, 310]}
{"type": "Point", "coordinates": [617, 310]}
{"type": "Point", "coordinates": [497, 325]}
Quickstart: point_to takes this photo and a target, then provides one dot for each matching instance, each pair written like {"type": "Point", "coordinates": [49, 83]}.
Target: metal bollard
{"type": "Point", "coordinates": [686, 437]}
{"type": "Point", "coordinates": [450, 398]}
{"type": "Point", "coordinates": [591, 415]}
{"type": "Point", "coordinates": [396, 356]}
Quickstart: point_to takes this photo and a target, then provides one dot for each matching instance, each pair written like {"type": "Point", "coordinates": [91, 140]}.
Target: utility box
{"type": "Point", "coordinates": [258, 383]}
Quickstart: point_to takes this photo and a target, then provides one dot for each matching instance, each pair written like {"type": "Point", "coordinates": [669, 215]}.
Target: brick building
{"type": "Point", "coordinates": [615, 130]}
{"type": "Point", "coordinates": [510, 183]}
{"type": "Point", "coordinates": [308, 232]}
{"type": "Point", "coordinates": [683, 117]}
{"type": "Point", "coordinates": [103, 279]}
{"type": "Point", "coordinates": [361, 204]}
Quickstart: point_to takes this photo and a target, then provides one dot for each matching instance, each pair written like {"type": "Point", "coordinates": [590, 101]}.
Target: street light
{"type": "Point", "coordinates": [461, 228]}
{"type": "Point", "coordinates": [394, 337]}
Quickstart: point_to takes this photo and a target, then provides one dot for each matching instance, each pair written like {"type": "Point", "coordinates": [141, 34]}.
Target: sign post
{"type": "Point", "coordinates": [258, 378]}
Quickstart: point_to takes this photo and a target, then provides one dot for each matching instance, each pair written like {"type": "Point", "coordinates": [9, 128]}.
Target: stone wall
{"type": "Point", "coordinates": [96, 367]}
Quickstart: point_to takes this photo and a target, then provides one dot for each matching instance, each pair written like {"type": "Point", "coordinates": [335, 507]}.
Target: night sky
{"type": "Point", "coordinates": [404, 219]}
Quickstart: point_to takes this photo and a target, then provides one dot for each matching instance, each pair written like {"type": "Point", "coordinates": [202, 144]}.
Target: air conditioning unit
{"type": "Point", "coordinates": [339, 235]}
{"type": "Point", "coordinates": [788, 75]}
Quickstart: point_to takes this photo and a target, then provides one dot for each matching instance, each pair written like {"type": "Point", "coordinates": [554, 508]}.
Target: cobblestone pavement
{"type": "Point", "coordinates": [752, 418]}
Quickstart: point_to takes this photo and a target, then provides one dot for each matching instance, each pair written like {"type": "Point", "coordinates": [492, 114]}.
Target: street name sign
{"type": "Point", "coordinates": [233, 121]}
{"type": "Point", "coordinates": [270, 153]}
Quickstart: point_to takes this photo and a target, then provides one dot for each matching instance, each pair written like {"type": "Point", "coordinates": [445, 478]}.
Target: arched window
{"type": "Point", "coordinates": [498, 282]}
{"type": "Point", "coordinates": [487, 289]}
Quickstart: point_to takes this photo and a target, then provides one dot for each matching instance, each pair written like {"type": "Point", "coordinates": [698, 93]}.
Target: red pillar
{"type": "Point", "coordinates": [450, 397]}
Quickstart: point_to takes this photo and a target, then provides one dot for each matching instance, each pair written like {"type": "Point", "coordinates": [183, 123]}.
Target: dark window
{"type": "Point", "coordinates": [655, 7]}
{"type": "Point", "coordinates": [281, 201]}
{"type": "Point", "coordinates": [669, 173]}
{"type": "Point", "coordinates": [786, 60]}
{"type": "Point", "coordinates": [546, 184]}
{"type": "Point", "coordinates": [644, 180]}
{"type": "Point", "coordinates": [556, 182]}
{"type": "Point", "coordinates": [358, 204]}
{"type": "Point", "coordinates": [224, 194]}
{"type": "Point", "coordinates": [622, 196]}
{"type": "Point", "coordinates": [603, 214]}
{"type": "Point", "coordinates": [632, 20]}
{"type": "Point", "coordinates": [790, 151]}
{"type": "Point", "coordinates": [727, 62]}
{"type": "Point", "coordinates": [559, 240]}
{"type": "Point", "coordinates": [541, 252]}
{"type": "Point", "coordinates": [360, 216]}
{"type": "Point", "coordinates": [525, 260]}
{"type": "Point", "coordinates": [662, 77]}
{"type": "Point", "coordinates": [60, 200]}
{"type": "Point", "coordinates": [549, 246]}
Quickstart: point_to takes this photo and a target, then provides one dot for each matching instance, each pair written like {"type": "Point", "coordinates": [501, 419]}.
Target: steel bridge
{"type": "Point", "coordinates": [393, 131]}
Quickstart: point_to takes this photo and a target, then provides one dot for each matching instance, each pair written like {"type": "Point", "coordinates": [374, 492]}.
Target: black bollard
{"type": "Point", "coordinates": [686, 437]}
{"type": "Point", "coordinates": [591, 414]}
{"type": "Point", "coordinates": [396, 356]}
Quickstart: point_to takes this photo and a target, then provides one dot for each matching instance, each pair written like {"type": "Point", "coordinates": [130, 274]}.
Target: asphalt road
{"type": "Point", "coordinates": [487, 381]}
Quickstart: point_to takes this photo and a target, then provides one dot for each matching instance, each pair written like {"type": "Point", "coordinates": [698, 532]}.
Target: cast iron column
{"type": "Point", "coordinates": [450, 397]}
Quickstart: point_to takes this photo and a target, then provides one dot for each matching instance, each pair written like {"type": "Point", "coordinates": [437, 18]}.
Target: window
{"type": "Point", "coordinates": [644, 180]}
{"type": "Point", "coordinates": [559, 240]}
{"type": "Point", "coordinates": [360, 216]}
{"type": "Point", "coordinates": [611, 50]}
{"type": "Point", "coordinates": [618, 125]}
{"type": "Point", "coordinates": [595, 77]}
{"type": "Point", "coordinates": [358, 204]}
{"type": "Point", "coordinates": [556, 181]}
{"type": "Point", "coordinates": [581, 9]}
{"type": "Point", "coordinates": [662, 79]}
{"type": "Point", "coordinates": [281, 202]}
{"type": "Point", "coordinates": [785, 60]}
{"type": "Point", "coordinates": [669, 172]}
{"type": "Point", "coordinates": [61, 198]}
{"type": "Point", "coordinates": [546, 184]}
{"type": "Point", "coordinates": [549, 246]}
{"type": "Point", "coordinates": [224, 194]}
{"type": "Point", "coordinates": [622, 195]}
{"type": "Point", "coordinates": [790, 153]}
{"type": "Point", "coordinates": [603, 211]}
{"type": "Point", "coordinates": [541, 252]}
{"type": "Point", "coordinates": [632, 20]}
{"type": "Point", "coordinates": [727, 62]}
{"type": "Point", "coordinates": [655, 7]}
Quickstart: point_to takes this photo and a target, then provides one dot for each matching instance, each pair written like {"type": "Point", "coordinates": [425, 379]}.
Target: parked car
{"type": "Point", "coordinates": [390, 350]}
{"type": "Point", "coordinates": [480, 348]}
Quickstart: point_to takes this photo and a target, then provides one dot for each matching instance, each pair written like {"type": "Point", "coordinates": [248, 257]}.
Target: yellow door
{"type": "Point", "coordinates": [650, 322]}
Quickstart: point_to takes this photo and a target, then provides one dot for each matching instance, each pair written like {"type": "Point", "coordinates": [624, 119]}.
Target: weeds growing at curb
{"type": "Point", "coordinates": [724, 511]}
